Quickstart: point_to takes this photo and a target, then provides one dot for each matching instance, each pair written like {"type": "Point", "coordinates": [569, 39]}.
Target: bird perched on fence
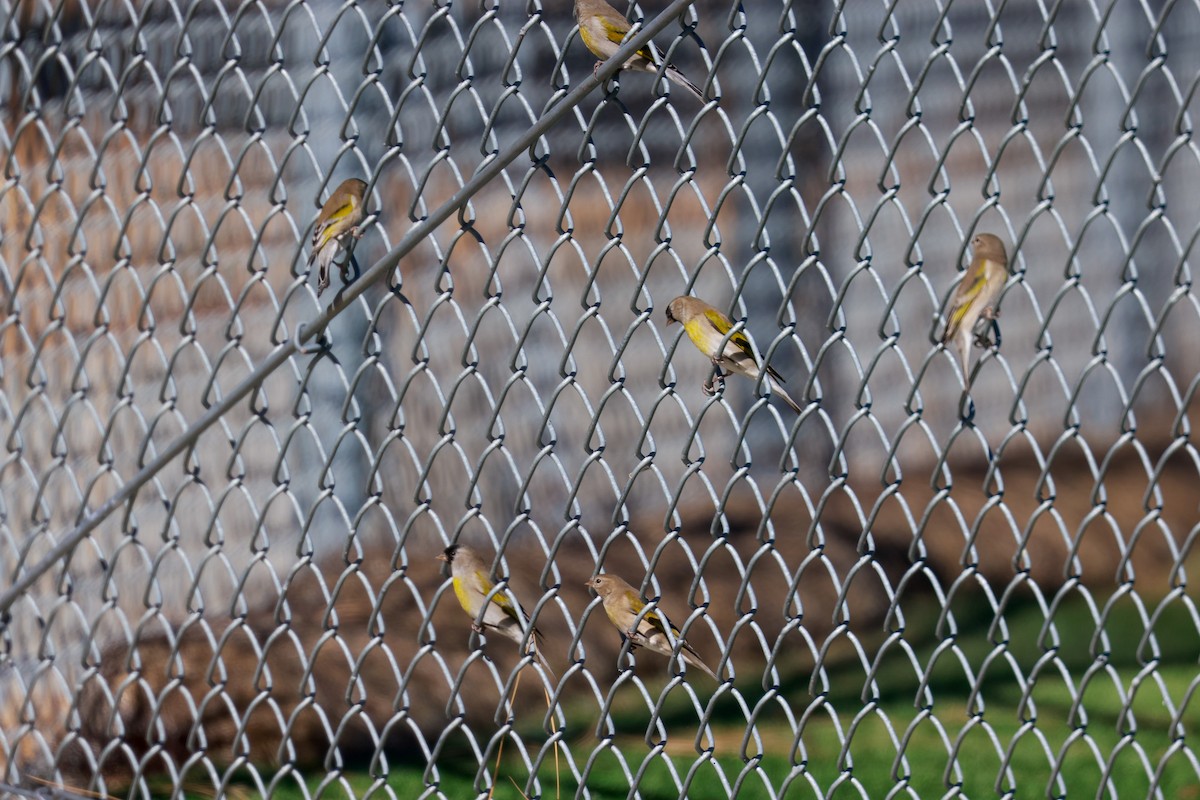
{"type": "Point", "coordinates": [336, 225]}
{"type": "Point", "coordinates": [602, 29]}
{"type": "Point", "coordinates": [974, 298]}
{"type": "Point", "coordinates": [472, 585]}
{"type": "Point", "coordinates": [622, 604]}
{"type": "Point", "coordinates": [707, 328]}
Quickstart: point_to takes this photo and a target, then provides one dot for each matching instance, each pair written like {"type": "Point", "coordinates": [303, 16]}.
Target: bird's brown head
{"type": "Point", "coordinates": [351, 187]}
{"type": "Point", "coordinates": [989, 246]}
{"type": "Point", "coordinates": [681, 309]}
{"type": "Point", "coordinates": [602, 584]}
{"type": "Point", "coordinates": [448, 554]}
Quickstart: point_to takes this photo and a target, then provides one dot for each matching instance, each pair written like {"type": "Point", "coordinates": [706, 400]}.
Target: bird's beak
{"type": "Point", "coordinates": [442, 557]}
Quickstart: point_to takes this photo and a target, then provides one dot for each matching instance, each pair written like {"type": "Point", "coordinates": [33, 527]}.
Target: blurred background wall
{"type": "Point", "coordinates": [513, 384]}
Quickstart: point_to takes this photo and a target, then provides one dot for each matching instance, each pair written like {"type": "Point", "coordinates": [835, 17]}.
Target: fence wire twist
{"type": "Point", "coordinates": [222, 495]}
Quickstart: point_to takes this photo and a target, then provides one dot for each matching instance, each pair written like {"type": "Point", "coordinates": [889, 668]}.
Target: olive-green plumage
{"type": "Point", "coordinates": [976, 293]}
{"type": "Point", "coordinates": [622, 604]}
{"type": "Point", "coordinates": [602, 29]}
{"type": "Point", "coordinates": [472, 584]}
{"type": "Point", "coordinates": [707, 328]}
{"type": "Point", "coordinates": [337, 223]}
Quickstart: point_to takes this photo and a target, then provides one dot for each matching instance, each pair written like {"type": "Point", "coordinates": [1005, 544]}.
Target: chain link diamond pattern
{"type": "Point", "coordinates": [924, 584]}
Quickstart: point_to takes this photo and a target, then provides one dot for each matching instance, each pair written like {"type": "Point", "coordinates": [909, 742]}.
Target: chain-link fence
{"type": "Point", "coordinates": [222, 495]}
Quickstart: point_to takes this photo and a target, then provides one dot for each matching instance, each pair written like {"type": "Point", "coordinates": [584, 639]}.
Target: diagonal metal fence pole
{"type": "Point", "coordinates": [383, 266]}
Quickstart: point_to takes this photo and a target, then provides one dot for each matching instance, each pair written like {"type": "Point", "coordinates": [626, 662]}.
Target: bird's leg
{"type": "Point", "coordinates": [357, 232]}
{"type": "Point", "coordinates": [475, 626]}
{"type": "Point", "coordinates": [987, 324]}
{"type": "Point", "coordinates": [351, 261]}
{"type": "Point", "coordinates": [984, 325]}
{"type": "Point", "coordinates": [596, 69]}
{"type": "Point", "coordinates": [984, 337]}
{"type": "Point", "coordinates": [710, 388]}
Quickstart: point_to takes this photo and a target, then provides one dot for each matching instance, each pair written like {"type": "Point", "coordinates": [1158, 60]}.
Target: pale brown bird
{"type": "Point", "coordinates": [707, 328]}
{"type": "Point", "coordinates": [336, 225]}
{"type": "Point", "coordinates": [622, 604]}
{"type": "Point", "coordinates": [602, 29]}
{"type": "Point", "coordinates": [472, 584]}
{"type": "Point", "coordinates": [975, 296]}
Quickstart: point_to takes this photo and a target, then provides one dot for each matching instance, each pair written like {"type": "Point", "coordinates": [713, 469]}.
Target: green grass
{"type": "Point", "coordinates": [999, 733]}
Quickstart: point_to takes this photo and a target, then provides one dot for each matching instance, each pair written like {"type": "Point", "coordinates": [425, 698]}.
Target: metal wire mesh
{"type": "Point", "coordinates": [924, 583]}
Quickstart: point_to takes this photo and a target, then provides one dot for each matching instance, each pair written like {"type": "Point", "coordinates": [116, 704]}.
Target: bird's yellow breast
{"type": "Point", "coordinates": [464, 597]}
{"type": "Point", "coordinates": [589, 41]}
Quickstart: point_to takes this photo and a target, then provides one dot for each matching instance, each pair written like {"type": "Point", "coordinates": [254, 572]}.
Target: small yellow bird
{"type": "Point", "coordinates": [337, 223]}
{"type": "Point", "coordinates": [622, 604]}
{"type": "Point", "coordinates": [472, 585]}
{"type": "Point", "coordinates": [602, 29]}
{"type": "Point", "coordinates": [974, 298]}
{"type": "Point", "coordinates": [707, 328]}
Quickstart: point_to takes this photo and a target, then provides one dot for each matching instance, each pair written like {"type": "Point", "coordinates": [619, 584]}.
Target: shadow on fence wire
{"type": "Point", "coordinates": [903, 587]}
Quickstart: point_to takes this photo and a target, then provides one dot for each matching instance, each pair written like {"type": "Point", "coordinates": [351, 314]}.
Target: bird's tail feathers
{"type": "Point", "coordinates": [778, 390]}
{"type": "Point", "coordinates": [514, 631]}
{"type": "Point", "coordinates": [324, 256]}
{"type": "Point", "coordinates": [678, 77]}
{"type": "Point", "coordinates": [535, 649]}
{"type": "Point", "coordinates": [692, 658]}
{"type": "Point", "coordinates": [962, 343]}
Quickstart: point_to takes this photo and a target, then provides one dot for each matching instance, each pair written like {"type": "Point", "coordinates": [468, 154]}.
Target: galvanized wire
{"type": "Point", "coordinates": [222, 496]}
